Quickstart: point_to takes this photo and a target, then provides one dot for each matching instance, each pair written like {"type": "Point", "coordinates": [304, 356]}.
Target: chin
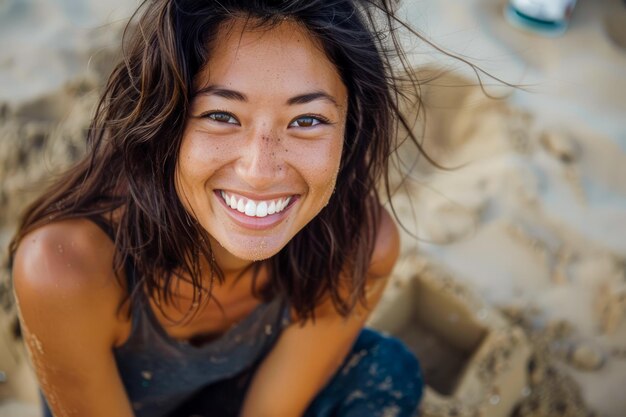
{"type": "Point", "coordinates": [253, 250]}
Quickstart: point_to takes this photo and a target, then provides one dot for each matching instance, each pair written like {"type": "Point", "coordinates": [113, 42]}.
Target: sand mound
{"type": "Point", "coordinates": [532, 217]}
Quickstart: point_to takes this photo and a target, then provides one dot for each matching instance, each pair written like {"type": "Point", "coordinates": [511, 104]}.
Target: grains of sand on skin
{"type": "Point", "coordinates": [34, 342]}
{"type": "Point", "coordinates": [258, 251]}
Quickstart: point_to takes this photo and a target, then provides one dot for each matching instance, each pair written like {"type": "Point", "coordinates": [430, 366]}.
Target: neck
{"type": "Point", "coordinates": [231, 266]}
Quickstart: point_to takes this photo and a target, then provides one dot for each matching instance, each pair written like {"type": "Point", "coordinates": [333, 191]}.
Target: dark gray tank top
{"type": "Point", "coordinates": [160, 372]}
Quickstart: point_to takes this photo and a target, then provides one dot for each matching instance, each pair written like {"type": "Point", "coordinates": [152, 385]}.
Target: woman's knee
{"type": "Point", "coordinates": [386, 364]}
{"type": "Point", "coordinates": [379, 374]}
{"type": "Point", "coordinates": [394, 356]}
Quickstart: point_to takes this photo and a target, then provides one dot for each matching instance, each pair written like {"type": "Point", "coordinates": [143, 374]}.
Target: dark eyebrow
{"type": "Point", "coordinates": [222, 92]}
{"type": "Point", "coordinates": [236, 95]}
{"type": "Point", "coordinates": [309, 97]}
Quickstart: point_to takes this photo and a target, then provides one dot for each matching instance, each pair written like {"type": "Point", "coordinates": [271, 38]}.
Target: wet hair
{"type": "Point", "coordinates": [135, 136]}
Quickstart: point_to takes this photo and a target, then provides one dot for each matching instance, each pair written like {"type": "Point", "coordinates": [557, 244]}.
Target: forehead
{"type": "Point", "coordinates": [282, 58]}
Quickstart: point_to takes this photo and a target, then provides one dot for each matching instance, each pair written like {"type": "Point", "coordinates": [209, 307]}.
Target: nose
{"type": "Point", "coordinates": [261, 162]}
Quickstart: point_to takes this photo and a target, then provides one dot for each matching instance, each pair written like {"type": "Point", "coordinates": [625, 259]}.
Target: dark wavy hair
{"type": "Point", "coordinates": [135, 136]}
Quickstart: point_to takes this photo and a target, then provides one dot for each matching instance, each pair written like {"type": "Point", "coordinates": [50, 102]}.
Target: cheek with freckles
{"type": "Point", "coordinates": [318, 165]}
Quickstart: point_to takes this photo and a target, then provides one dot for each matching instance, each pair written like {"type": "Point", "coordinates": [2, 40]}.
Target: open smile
{"type": "Point", "coordinates": [256, 213]}
{"type": "Point", "coordinates": [254, 208]}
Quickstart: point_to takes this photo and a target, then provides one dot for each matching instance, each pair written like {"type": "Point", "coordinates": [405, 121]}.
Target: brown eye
{"type": "Point", "coordinates": [307, 121]}
{"type": "Point", "coordinates": [222, 117]}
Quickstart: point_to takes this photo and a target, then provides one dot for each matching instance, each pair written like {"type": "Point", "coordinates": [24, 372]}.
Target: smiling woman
{"type": "Point", "coordinates": [218, 250]}
{"type": "Point", "coordinates": [271, 140]}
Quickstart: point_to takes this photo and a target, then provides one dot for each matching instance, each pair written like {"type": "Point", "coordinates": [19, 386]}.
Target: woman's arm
{"type": "Point", "coordinates": [306, 357]}
{"type": "Point", "coordinates": [68, 298]}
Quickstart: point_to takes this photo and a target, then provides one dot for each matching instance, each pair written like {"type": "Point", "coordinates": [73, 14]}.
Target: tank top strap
{"type": "Point", "coordinates": [103, 224]}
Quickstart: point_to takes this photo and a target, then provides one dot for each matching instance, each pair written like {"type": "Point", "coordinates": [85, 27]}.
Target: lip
{"type": "Point", "coordinates": [256, 223]}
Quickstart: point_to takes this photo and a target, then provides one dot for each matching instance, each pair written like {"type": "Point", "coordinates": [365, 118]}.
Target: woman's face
{"type": "Point", "coordinates": [262, 144]}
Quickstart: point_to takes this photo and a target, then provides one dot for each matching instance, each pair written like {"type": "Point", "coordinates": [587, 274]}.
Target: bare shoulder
{"type": "Point", "coordinates": [71, 255]}
{"type": "Point", "coordinates": [69, 298]}
{"type": "Point", "coordinates": [387, 247]}
{"type": "Point", "coordinates": [65, 269]}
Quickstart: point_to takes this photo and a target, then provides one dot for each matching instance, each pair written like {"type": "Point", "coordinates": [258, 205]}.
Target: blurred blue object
{"type": "Point", "coordinates": [549, 17]}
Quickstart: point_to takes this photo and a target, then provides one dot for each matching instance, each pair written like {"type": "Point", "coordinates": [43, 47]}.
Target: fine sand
{"type": "Point", "coordinates": [513, 294]}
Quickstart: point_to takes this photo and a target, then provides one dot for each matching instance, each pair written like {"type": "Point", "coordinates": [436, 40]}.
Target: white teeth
{"type": "Point", "coordinates": [261, 209]}
{"type": "Point", "coordinates": [250, 208]}
{"type": "Point", "coordinates": [253, 208]}
{"type": "Point", "coordinates": [283, 204]}
{"type": "Point", "coordinates": [272, 208]}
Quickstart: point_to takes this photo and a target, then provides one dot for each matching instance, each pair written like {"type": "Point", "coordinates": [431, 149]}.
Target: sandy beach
{"type": "Point", "coordinates": [511, 286]}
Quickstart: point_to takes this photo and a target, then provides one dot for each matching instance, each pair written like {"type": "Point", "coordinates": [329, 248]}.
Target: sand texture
{"type": "Point", "coordinates": [511, 287]}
